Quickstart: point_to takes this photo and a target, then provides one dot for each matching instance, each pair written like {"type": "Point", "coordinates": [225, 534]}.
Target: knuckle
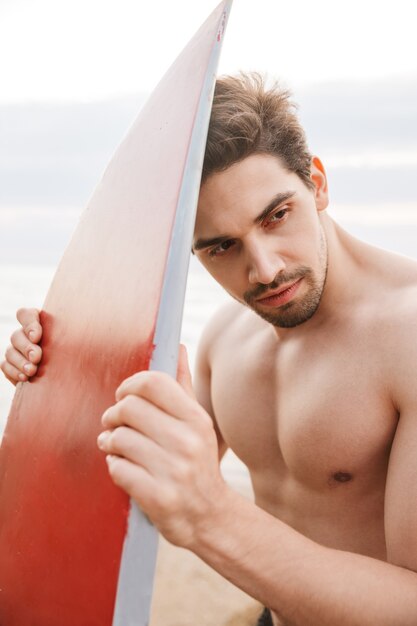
{"type": "Point", "coordinates": [147, 382]}
{"type": "Point", "coordinates": [16, 336]}
{"type": "Point", "coordinates": [28, 329]}
{"type": "Point", "coordinates": [182, 471]}
{"type": "Point", "coordinates": [123, 442]}
{"type": "Point", "coordinates": [116, 438]}
{"type": "Point", "coordinates": [21, 313]}
{"type": "Point", "coordinates": [11, 373]}
{"type": "Point", "coordinates": [116, 471]}
{"type": "Point", "coordinates": [143, 384]}
{"type": "Point", "coordinates": [25, 311]}
{"type": "Point", "coordinates": [127, 405]}
{"type": "Point", "coordinates": [109, 416]}
{"type": "Point", "coordinates": [192, 446]}
{"type": "Point", "coordinates": [7, 369]}
{"type": "Point", "coordinates": [168, 502]}
{"type": "Point", "coordinates": [154, 379]}
{"type": "Point", "coordinates": [9, 353]}
{"type": "Point", "coordinates": [37, 352]}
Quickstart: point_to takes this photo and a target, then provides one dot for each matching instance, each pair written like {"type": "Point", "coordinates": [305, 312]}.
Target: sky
{"type": "Point", "coordinates": [81, 50]}
{"type": "Point", "coordinates": [74, 74]}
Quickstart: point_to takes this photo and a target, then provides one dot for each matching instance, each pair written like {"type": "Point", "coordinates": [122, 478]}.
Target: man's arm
{"type": "Point", "coordinates": [310, 585]}
{"type": "Point", "coordinates": [401, 486]}
{"type": "Point", "coordinates": [178, 485]}
{"type": "Point", "coordinates": [202, 376]}
{"type": "Point", "coordinates": [305, 583]}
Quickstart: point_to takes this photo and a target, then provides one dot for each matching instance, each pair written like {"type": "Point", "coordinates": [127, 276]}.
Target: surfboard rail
{"type": "Point", "coordinates": [142, 538]}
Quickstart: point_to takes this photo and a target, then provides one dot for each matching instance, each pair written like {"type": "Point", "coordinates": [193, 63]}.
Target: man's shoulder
{"type": "Point", "coordinates": [229, 329]}
{"type": "Point", "coordinates": [396, 283]}
{"type": "Point", "coordinates": [394, 311]}
{"type": "Point", "coordinates": [401, 282]}
{"type": "Point", "coordinates": [398, 336]}
{"type": "Point", "coordinates": [225, 321]}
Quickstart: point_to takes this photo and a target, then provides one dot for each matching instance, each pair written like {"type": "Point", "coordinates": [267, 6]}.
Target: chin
{"type": "Point", "coordinates": [291, 314]}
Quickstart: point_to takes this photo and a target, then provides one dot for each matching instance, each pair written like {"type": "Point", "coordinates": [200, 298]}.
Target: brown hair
{"type": "Point", "coordinates": [249, 118]}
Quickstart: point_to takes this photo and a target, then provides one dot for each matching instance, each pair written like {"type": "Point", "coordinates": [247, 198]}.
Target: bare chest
{"type": "Point", "coordinates": [316, 416]}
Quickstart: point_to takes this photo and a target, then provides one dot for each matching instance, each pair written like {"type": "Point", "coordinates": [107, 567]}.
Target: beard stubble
{"type": "Point", "coordinates": [299, 310]}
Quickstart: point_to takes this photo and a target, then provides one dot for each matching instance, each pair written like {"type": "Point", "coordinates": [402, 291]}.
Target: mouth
{"type": "Point", "coordinates": [280, 296]}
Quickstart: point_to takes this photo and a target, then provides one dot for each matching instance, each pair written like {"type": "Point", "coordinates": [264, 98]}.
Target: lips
{"type": "Point", "coordinates": [280, 296]}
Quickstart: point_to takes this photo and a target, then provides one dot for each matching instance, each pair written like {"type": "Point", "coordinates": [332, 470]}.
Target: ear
{"type": "Point", "coordinates": [319, 178]}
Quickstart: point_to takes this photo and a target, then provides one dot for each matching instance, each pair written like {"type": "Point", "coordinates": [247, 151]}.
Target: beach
{"type": "Point", "coordinates": [187, 592]}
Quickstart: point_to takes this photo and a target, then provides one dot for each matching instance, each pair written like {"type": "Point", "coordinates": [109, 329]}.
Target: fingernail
{"type": "Point", "coordinates": [27, 367]}
{"type": "Point", "coordinates": [102, 438]}
{"type": "Point", "coordinates": [31, 354]}
{"type": "Point", "coordinates": [110, 458]}
{"type": "Point", "coordinates": [22, 377]}
{"type": "Point", "coordinates": [32, 335]}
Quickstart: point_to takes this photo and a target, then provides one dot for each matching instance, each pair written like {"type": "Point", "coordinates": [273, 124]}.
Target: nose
{"type": "Point", "coordinates": [264, 265]}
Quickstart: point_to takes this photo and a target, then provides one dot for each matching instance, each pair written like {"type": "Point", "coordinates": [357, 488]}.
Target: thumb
{"type": "Point", "coordinates": [183, 372]}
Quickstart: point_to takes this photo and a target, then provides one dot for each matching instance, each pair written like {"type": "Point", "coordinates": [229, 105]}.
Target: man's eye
{"type": "Point", "coordinates": [279, 216]}
{"type": "Point", "coordinates": [221, 248]}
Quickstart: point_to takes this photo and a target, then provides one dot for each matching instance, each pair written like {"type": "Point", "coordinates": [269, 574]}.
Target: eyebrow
{"type": "Point", "coordinates": [279, 198]}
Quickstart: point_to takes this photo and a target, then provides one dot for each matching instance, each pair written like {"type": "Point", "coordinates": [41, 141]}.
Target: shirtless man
{"type": "Point", "coordinates": [308, 377]}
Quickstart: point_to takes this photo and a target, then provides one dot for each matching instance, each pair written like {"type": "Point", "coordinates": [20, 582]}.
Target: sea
{"type": "Point", "coordinates": [25, 283]}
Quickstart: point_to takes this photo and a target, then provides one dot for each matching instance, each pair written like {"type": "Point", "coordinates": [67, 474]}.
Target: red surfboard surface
{"type": "Point", "coordinates": [62, 521]}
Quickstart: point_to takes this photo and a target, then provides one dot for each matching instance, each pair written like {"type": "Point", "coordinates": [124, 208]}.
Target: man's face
{"type": "Point", "coordinates": [259, 235]}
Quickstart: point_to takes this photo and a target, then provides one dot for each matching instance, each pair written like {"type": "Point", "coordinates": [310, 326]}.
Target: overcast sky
{"type": "Point", "coordinates": [89, 49]}
{"type": "Point", "coordinates": [74, 74]}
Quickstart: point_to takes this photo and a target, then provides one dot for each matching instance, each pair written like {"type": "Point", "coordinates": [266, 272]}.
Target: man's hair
{"type": "Point", "coordinates": [249, 118]}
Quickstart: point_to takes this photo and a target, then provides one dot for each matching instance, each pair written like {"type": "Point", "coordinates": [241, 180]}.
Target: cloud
{"type": "Point", "coordinates": [356, 116]}
{"type": "Point", "coordinates": [54, 155]}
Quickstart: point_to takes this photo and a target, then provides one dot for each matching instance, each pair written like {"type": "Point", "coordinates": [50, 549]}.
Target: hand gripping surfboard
{"type": "Point", "coordinates": [73, 550]}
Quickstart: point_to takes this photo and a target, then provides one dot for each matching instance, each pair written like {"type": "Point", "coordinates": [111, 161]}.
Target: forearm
{"type": "Point", "coordinates": [303, 582]}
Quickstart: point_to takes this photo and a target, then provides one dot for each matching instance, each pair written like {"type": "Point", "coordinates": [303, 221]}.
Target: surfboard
{"type": "Point", "coordinates": [74, 549]}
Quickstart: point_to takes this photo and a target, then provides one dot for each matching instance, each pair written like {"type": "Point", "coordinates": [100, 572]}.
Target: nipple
{"type": "Point", "coordinates": [342, 477]}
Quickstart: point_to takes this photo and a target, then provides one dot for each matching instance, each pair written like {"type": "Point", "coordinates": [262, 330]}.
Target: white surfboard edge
{"type": "Point", "coordinates": [137, 569]}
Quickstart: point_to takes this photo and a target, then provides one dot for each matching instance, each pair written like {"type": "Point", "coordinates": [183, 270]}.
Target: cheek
{"type": "Point", "coordinates": [308, 242]}
{"type": "Point", "coordinates": [229, 276]}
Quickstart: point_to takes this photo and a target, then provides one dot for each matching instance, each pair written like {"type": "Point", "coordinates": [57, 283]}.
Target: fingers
{"type": "Point", "coordinates": [163, 391]}
{"type": "Point", "coordinates": [154, 484]}
{"type": "Point", "coordinates": [162, 450]}
{"type": "Point", "coordinates": [133, 479]}
{"type": "Point", "coordinates": [23, 356]}
{"type": "Point", "coordinates": [140, 415]}
{"type": "Point", "coordinates": [16, 359]}
{"type": "Point", "coordinates": [30, 321]}
{"type": "Point", "coordinates": [131, 445]}
{"type": "Point", "coordinates": [12, 373]}
{"type": "Point", "coordinates": [16, 367]}
{"type": "Point", "coordinates": [26, 348]}
{"type": "Point", "coordinates": [156, 387]}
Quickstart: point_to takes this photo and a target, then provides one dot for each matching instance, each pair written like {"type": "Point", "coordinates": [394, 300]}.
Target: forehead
{"type": "Point", "coordinates": [241, 192]}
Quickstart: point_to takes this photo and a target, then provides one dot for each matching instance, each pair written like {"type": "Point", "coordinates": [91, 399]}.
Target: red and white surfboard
{"type": "Point", "coordinates": [73, 549]}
